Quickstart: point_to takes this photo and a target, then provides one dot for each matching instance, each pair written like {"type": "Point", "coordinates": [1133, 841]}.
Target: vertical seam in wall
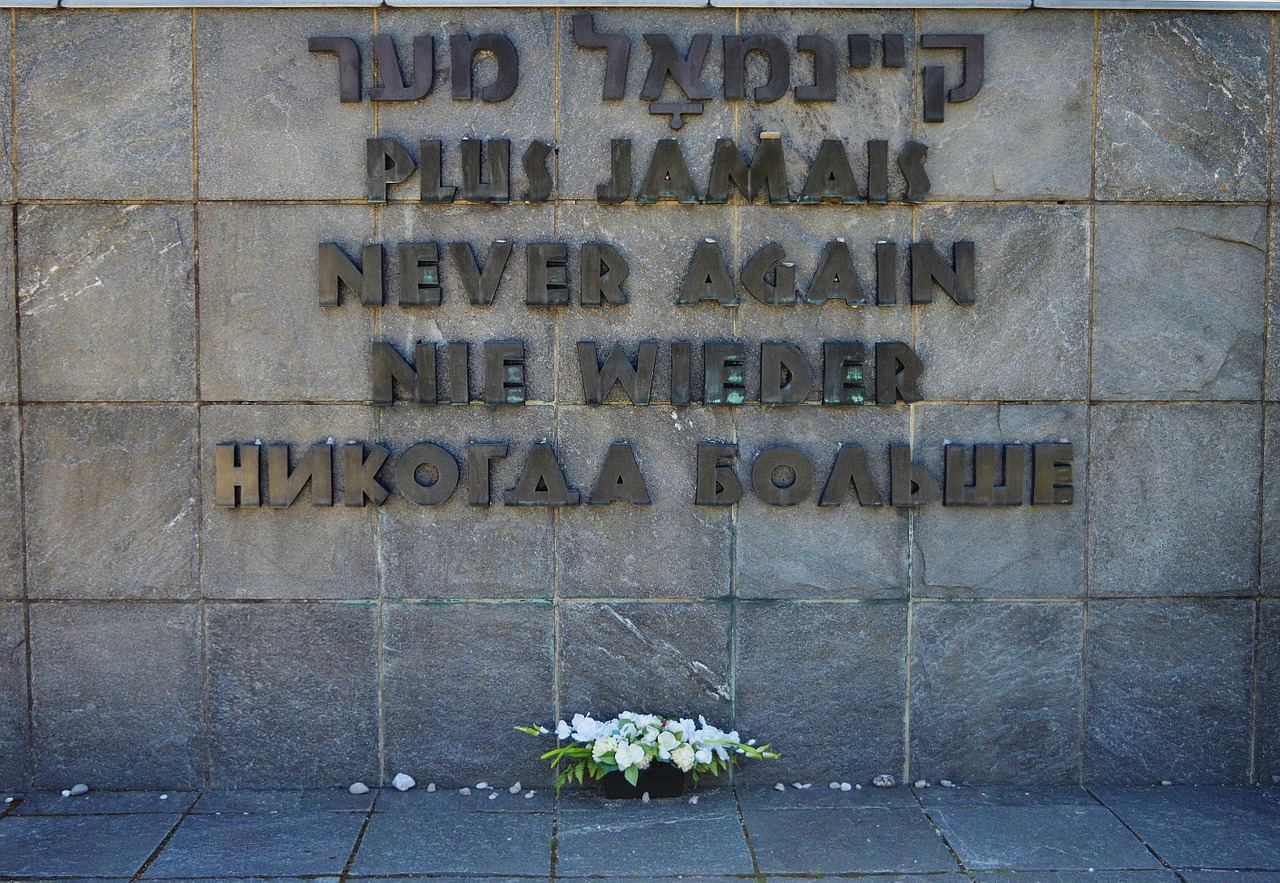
{"type": "Point", "coordinates": [734, 510]}
{"type": "Point", "coordinates": [555, 409]}
{"type": "Point", "coordinates": [13, 100]}
{"type": "Point", "coordinates": [911, 441]}
{"type": "Point", "coordinates": [379, 514]}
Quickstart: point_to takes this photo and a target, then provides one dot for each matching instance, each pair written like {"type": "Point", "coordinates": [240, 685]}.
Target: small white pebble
{"type": "Point", "coordinates": [529, 794]}
{"type": "Point", "coordinates": [164, 796]}
{"type": "Point", "coordinates": [431, 789]}
{"type": "Point", "coordinates": [493, 796]}
{"type": "Point", "coordinates": [845, 786]}
{"type": "Point", "coordinates": [465, 792]}
{"type": "Point", "coordinates": [751, 741]}
{"type": "Point", "coordinates": [480, 786]}
{"type": "Point", "coordinates": [797, 786]}
{"type": "Point", "coordinates": [403, 782]}
{"type": "Point", "coordinates": [8, 800]}
{"type": "Point", "coordinates": [807, 785]}
{"type": "Point", "coordinates": [359, 788]}
{"type": "Point", "coordinates": [644, 798]}
{"type": "Point", "coordinates": [921, 783]}
{"type": "Point", "coordinates": [693, 801]}
{"type": "Point", "coordinates": [515, 789]}
{"type": "Point", "coordinates": [779, 787]}
{"type": "Point", "coordinates": [834, 786]}
{"type": "Point", "coordinates": [857, 787]}
{"type": "Point", "coordinates": [66, 793]}
{"type": "Point", "coordinates": [1166, 782]}
{"type": "Point", "coordinates": [274, 812]}
{"type": "Point", "coordinates": [947, 783]}
{"type": "Point", "coordinates": [77, 790]}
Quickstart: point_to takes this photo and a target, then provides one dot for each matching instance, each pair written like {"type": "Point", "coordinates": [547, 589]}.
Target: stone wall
{"type": "Point", "coordinates": [172, 175]}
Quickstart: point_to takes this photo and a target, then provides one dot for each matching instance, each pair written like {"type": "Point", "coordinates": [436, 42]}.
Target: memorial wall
{"type": "Point", "coordinates": [894, 386]}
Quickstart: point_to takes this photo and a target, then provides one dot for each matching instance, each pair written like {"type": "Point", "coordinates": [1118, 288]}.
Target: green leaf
{"type": "Point", "coordinates": [632, 775]}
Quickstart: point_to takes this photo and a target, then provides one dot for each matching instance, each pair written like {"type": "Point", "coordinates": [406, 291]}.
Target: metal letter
{"type": "Point", "coordinates": [619, 187]}
{"type": "Point", "coordinates": [735, 67]}
{"type": "Point", "coordinates": [785, 375]}
{"type": "Point", "coordinates": [360, 475]}
{"type": "Point", "coordinates": [764, 472]}
{"type": "Point", "coordinates": [636, 380]}
{"type": "Point", "coordinates": [462, 51]}
{"type": "Point", "coordinates": [389, 366]}
{"type": "Point", "coordinates": [620, 478]}
{"type": "Point", "coordinates": [434, 457]}
{"type": "Point", "coordinates": [535, 170]}
{"type": "Point", "coordinates": [707, 278]}
{"type": "Point", "coordinates": [668, 176]}
{"type": "Point", "coordinates": [830, 176]}
{"type": "Point", "coordinates": [894, 47]}
{"type": "Point", "coordinates": [668, 61]}
{"type": "Point", "coordinates": [681, 356]}
{"type": "Point", "coordinates": [393, 87]}
{"type": "Point", "coordinates": [984, 491]}
{"type": "Point", "coordinates": [459, 373]}
{"type": "Point", "coordinates": [348, 64]}
{"type": "Point", "coordinates": [898, 371]}
{"type": "Point", "coordinates": [431, 182]}
{"type": "Point", "coordinates": [1053, 483]}
{"type": "Point", "coordinates": [479, 456]}
{"type": "Point", "coordinates": [547, 274]}
{"type": "Point", "coordinates": [859, 50]}
{"type": "Point", "coordinates": [335, 267]}
{"type": "Point", "coordinates": [481, 287]}
{"type": "Point", "coordinates": [928, 267]}
{"type": "Point", "coordinates": [886, 273]}
{"type": "Point", "coordinates": [878, 172]}
{"type": "Point", "coordinates": [850, 471]}
{"type": "Point", "coordinates": [911, 163]}
{"type": "Point", "coordinates": [316, 466]}
{"type": "Point", "coordinates": [835, 278]}
{"type": "Point", "coordinates": [755, 276]}
{"type": "Point", "coordinates": [910, 484]}
{"type": "Point", "coordinates": [419, 274]}
{"type": "Point", "coordinates": [379, 152]}
{"type": "Point", "coordinates": [842, 376]}
{"type": "Point", "coordinates": [541, 482]}
{"type": "Point", "coordinates": [604, 271]}
{"type": "Point", "coordinates": [824, 68]}
{"type": "Point", "coordinates": [718, 484]}
{"type": "Point", "coordinates": [617, 53]}
{"type": "Point", "coordinates": [933, 90]}
{"type": "Point", "coordinates": [504, 377]}
{"type": "Point", "coordinates": [498, 190]}
{"type": "Point", "coordinates": [768, 171]}
{"type": "Point", "coordinates": [973, 62]}
{"type": "Point", "coordinates": [235, 471]}
{"type": "Point", "coordinates": [724, 374]}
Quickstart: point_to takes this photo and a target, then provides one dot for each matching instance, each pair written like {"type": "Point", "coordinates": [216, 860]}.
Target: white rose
{"type": "Point", "coordinates": [668, 741]}
{"type": "Point", "coordinates": [643, 762]}
{"type": "Point", "coordinates": [682, 757]}
{"type": "Point", "coordinates": [703, 755]}
{"type": "Point", "coordinates": [602, 747]}
{"type": "Point", "coordinates": [627, 754]}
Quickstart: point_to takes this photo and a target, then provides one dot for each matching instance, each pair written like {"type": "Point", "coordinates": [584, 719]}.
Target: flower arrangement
{"type": "Point", "coordinates": [631, 742]}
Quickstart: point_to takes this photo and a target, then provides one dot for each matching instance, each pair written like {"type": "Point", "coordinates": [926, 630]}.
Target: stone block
{"type": "Point", "coordinates": [301, 552]}
{"type": "Point", "coordinates": [1267, 729]}
{"type": "Point", "coordinates": [442, 706]}
{"type": "Point", "coordinates": [528, 115]}
{"type": "Point", "coordinates": [458, 550]}
{"type": "Point", "coordinates": [668, 549]}
{"type": "Point", "coordinates": [1026, 337]}
{"type": "Point", "coordinates": [292, 694]}
{"type": "Point", "coordinates": [116, 695]}
{"type": "Point", "coordinates": [8, 317]}
{"type": "Point", "coordinates": [1179, 302]}
{"type": "Point", "coordinates": [1191, 662]}
{"type": "Point", "coordinates": [110, 501]}
{"type": "Point", "coordinates": [492, 844]}
{"type": "Point", "coordinates": [104, 104]}
{"type": "Point", "coordinates": [804, 551]}
{"type": "Point", "coordinates": [11, 551]}
{"type": "Point", "coordinates": [107, 300]}
{"type": "Point", "coordinates": [81, 846]}
{"type": "Point", "coordinates": [456, 319]}
{"type": "Point", "coordinates": [658, 252]}
{"type": "Point", "coordinates": [14, 765]}
{"type": "Point", "coordinates": [587, 123]}
{"type": "Point", "coordinates": [826, 685]}
{"type": "Point", "coordinates": [294, 843]}
{"type": "Point", "coordinates": [1024, 551]}
{"type": "Point", "coordinates": [263, 334]}
{"type": "Point", "coordinates": [1157, 528]}
{"type": "Point", "coordinates": [1270, 502]}
{"type": "Point", "coordinates": [587, 844]}
{"type": "Point", "coordinates": [1017, 667]}
{"type": "Point", "coordinates": [1028, 133]}
{"type": "Point", "coordinates": [271, 124]}
{"type": "Point", "coordinates": [657, 658]}
{"type": "Point", "coordinates": [1182, 106]}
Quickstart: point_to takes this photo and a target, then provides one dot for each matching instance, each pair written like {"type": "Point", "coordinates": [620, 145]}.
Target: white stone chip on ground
{"type": "Point", "coordinates": [857, 787]}
{"type": "Point", "coordinates": [834, 786]}
{"type": "Point", "coordinates": [1166, 782]}
{"type": "Point", "coordinates": [465, 792]}
{"type": "Point", "coordinates": [403, 782]}
{"type": "Point", "coordinates": [845, 786]}
{"type": "Point", "coordinates": [947, 783]}
{"type": "Point", "coordinates": [921, 783]}
{"type": "Point", "coordinates": [359, 788]}
{"type": "Point", "coordinates": [164, 796]}
{"type": "Point", "coordinates": [644, 798]}
{"type": "Point", "coordinates": [431, 789]}
{"type": "Point", "coordinates": [481, 786]}
{"type": "Point", "coordinates": [8, 800]}
{"type": "Point", "coordinates": [77, 790]}
{"type": "Point", "coordinates": [797, 786]}
{"type": "Point", "coordinates": [779, 787]}
{"type": "Point", "coordinates": [493, 796]}
{"type": "Point", "coordinates": [515, 789]}
{"type": "Point", "coordinates": [693, 801]}
{"type": "Point", "coordinates": [529, 794]}
{"type": "Point", "coordinates": [66, 793]}
{"type": "Point", "coordinates": [884, 780]}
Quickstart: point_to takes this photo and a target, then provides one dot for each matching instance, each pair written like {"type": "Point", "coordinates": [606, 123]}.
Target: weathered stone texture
{"type": "Point", "coordinates": [117, 695]}
{"type": "Point", "coordinates": [106, 297]}
{"type": "Point", "coordinates": [1167, 691]}
{"type": "Point", "coordinates": [995, 691]}
{"type": "Point", "coordinates": [311, 720]}
{"type": "Point", "coordinates": [1267, 731]}
{"type": "Point", "coordinates": [110, 501]}
{"type": "Point", "coordinates": [451, 672]}
{"type": "Point", "coordinates": [1270, 576]}
{"type": "Point", "coordinates": [1182, 105]}
{"type": "Point", "coordinates": [8, 313]}
{"type": "Point", "coordinates": [1150, 535]}
{"type": "Point", "coordinates": [11, 546]}
{"type": "Point", "coordinates": [1179, 302]}
{"type": "Point", "coordinates": [104, 104]}
{"type": "Point", "coordinates": [14, 735]}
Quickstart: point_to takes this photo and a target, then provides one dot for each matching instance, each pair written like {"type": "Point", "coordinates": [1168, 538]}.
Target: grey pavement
{"type": "Point", "coordinates": [1058, 834]}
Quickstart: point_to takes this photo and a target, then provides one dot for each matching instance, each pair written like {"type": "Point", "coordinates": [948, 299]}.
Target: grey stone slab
{"type": "Point", "coordinates": [1026, 337]}
{"type": "Point", "coordinates": [528, 115]}
{"type": "Point", "coordinates": [455, 843]}
{"type": "Point", "coordinates": [455, 679]}
{"type": "Point", "coordinates": [1025, 551]}
{"type": "Point", "coordinates": [587, 123]}
{"type": "Point", "coordinates": [304, 551]}
{"type": "Point", "coordinates": [420, 801]}
{"type": "Point", "coordinates": [1179, 302]}
{"type": "Point", "coordinates": [1208, 827]}
{"type": "Point", "coordinates": [301, 843]}
{"type": "Point", "coordinates": [803, 551]}
{"type": "Point", "coordinates": [292, 694]}
{"type": "Point", "coordinates": [1005, 795]}
{"type": "Point", "coordinates": [602, 550]}
{"type": "Point", "coordinates": [110, 499]}
{"type": "Point", "coordinates": [15, 761]}
{"type": "Point", "coordinates": [106, 296]}
{"type": "Point", "coordinates": [1091, 876]}
{"type": "Point", "coordinates": [263, 334]}
{"type": "Point", "coordinates": [1182, 106]}
{"type": "Point", "coordinates": [1267, 728]}
{"type": "Point", "coordinates": [714, 799]}
{"type": "Point", "coordinates": [822, 797]}
{"type": "Point", "coordinates": [458, 550]}
{"type": "Point", "coordinates": [861, 841]}
{"type": "Point", "coordinates": [1018, 668]}
{"type": "Point", "coordinates": [1028, 133]}
{"type": "Point", "coordinates": [1270, 564]}
{"type": "Point", "coordinates": [52, 803]}
{"type": "Point", "coordinates": [1149, 536]}
{"type": "Point", "coordinates": [596, 845]}
{"type": "Point", "coordinates": [661, 658]}
{"type": "Point", "coordinates": [309, 800]}
{"type": "Point", "coordinates": [80, 846]}
{"type": "Point", "coordinates": [8, 314]}
{"type": "Point", "coordinates": [271, 124]}
{"type": "Point", "coordinates": [116, 695]}
{"type": "Point", "coordinates": [1191, 663]}
{"type": "Point", "coordinates": [1231, 876]}
{"type": "Point", "coordinates": [123, 132]}
{"type": "Point", "coordinates": [806, 673]}
{"type": "Point", "coordinates": [11, 551]}
{"type": "Point", "coordinates": [1061, 838]}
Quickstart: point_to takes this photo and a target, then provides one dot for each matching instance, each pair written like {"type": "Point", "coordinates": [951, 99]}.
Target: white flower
{"type": "Point", "coordinates": [650, 736]}
{"type": "Point", "coordinates": [603, 746]}
{"type": "Point", "coordinates": [683, 758]}
{"type": "Point", "coordinates": [668, 741]}
{"type": "Point", "coordinates": [562, 730]}
{"type": "Point", "coordinates": [703, 755]}
{"type": "Point", "coordinates": [587, 730]}
{"type": "Point", "coordinates": [627, 754]}
{"type": "Point", "coordinates": [643, 762]}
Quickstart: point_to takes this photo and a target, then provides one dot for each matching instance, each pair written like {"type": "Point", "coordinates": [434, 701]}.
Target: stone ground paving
{"type": "Point", "coordinates": [1061, 834]}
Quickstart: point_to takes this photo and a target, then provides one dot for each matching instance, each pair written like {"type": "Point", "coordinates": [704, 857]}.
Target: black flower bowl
{"type": "Point", "coordinates": [659, 780]}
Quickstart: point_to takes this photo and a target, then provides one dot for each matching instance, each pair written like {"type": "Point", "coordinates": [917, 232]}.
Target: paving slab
{"type": "Point", "coordinates": [1034, 838]}
{"type": "Point", "coordinates": [255, 845]}
{"type": "Point", "coordinates": [420, 800]}
{"type": "Point", "coordinates": [234, 800]}
{"type": "Point", "coordinates": [455, 843]}
{"type": "Point", "coordinates": [605, 843]}
{"type": "Point", "coordinates": [1205, 827]}
{"type": "Point", "coordinates": [1161, 876]}
{"type": "Point", "coordinates": [79, 846]}
{"type": "Point", "coordinates": [848, 841]}
{"type": "Point", "coordinates": [1005, 795]}
{"type": "Point", "coordinates": [1232, 876]}
{"type": "Point", "coordinates": [710, 800]}
{"type": "Point", "coordinates": [822, 796]}
{"type": "Point", "coordinates": [52, 803]}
